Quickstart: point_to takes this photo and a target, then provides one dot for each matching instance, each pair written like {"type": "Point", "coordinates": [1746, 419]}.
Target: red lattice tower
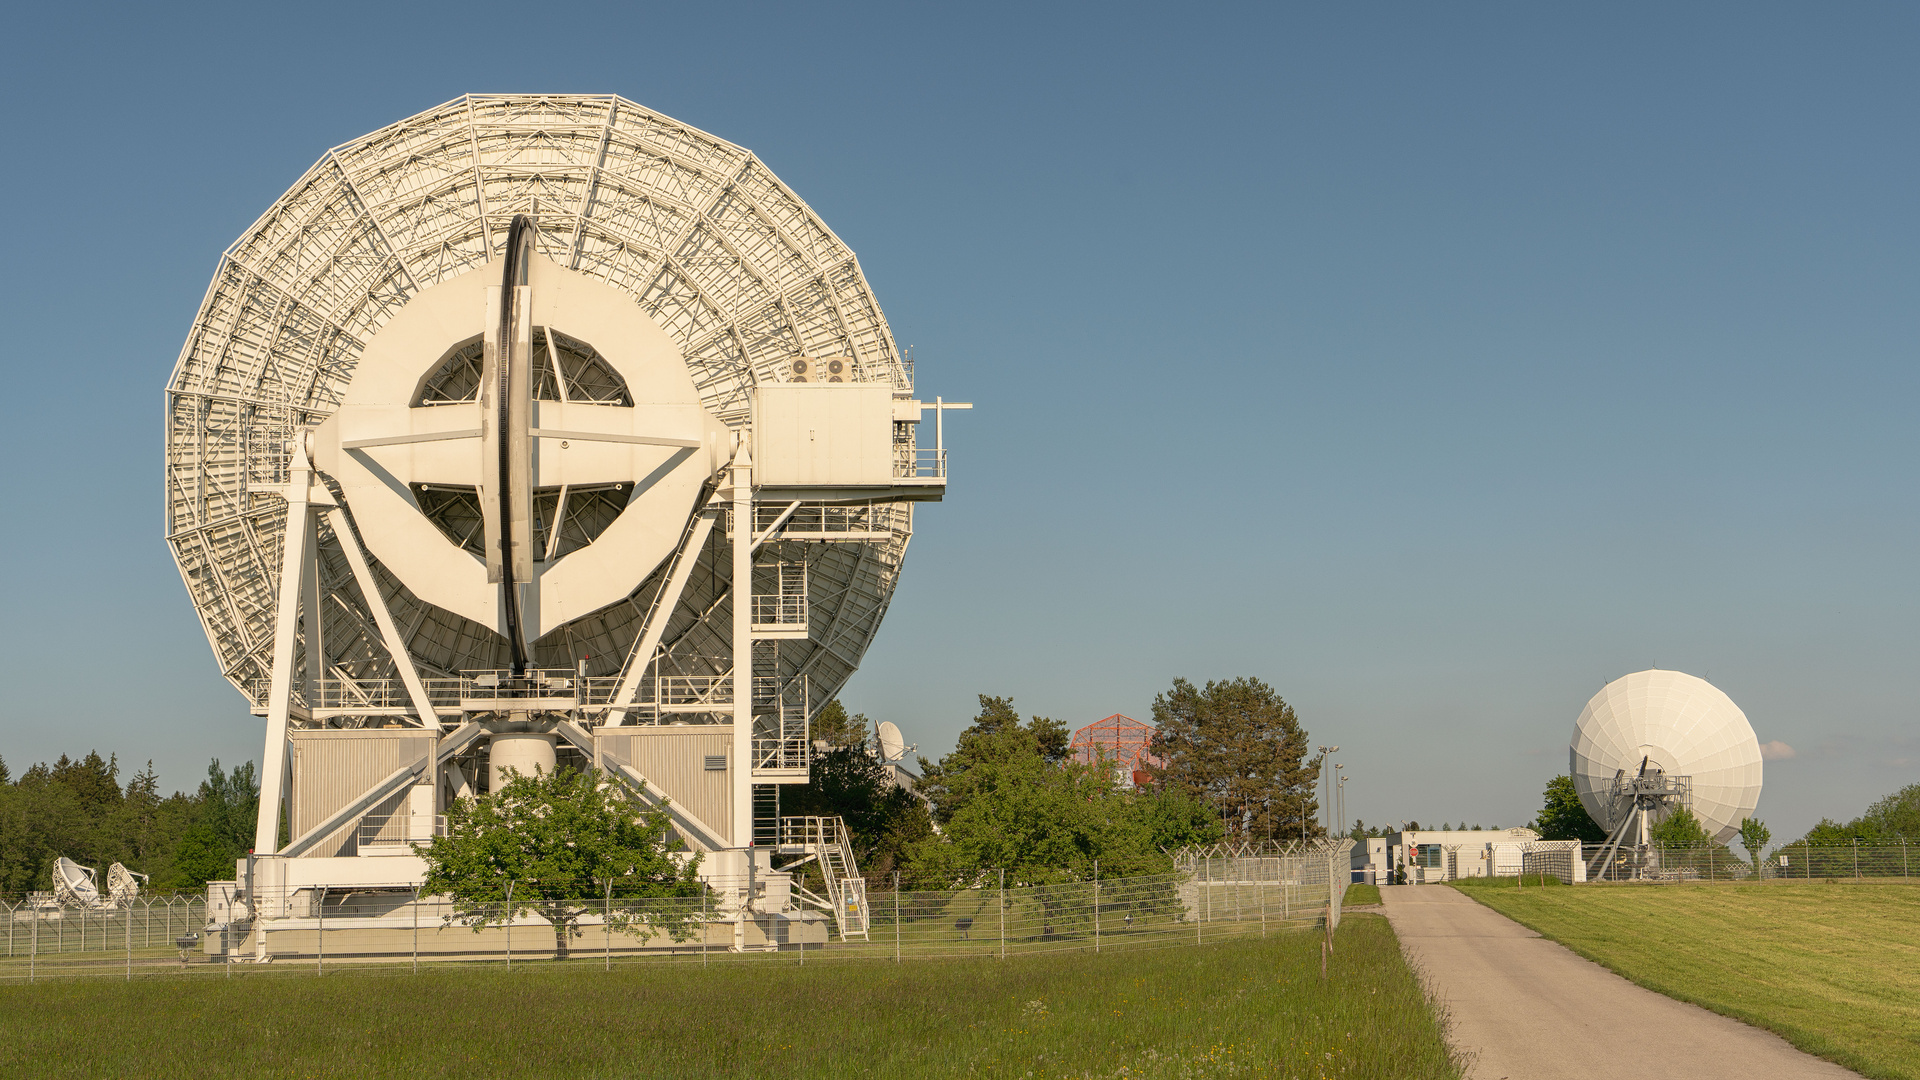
{"type": "Point", "coordinates": [1121, 739]}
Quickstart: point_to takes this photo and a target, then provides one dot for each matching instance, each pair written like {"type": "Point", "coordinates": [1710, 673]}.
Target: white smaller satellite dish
{"type": "Point", "coordinates": [892, 744]}
{"type": "Point", "coordinates": [123, 885]}
{"type": "Point", "coordinates": [71, 880]}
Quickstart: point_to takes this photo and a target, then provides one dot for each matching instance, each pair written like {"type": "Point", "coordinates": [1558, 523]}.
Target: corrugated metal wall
{"type": "Point", "coordinates": [332, 768]}
{"type": "Point", "coordinates": [674, 762]}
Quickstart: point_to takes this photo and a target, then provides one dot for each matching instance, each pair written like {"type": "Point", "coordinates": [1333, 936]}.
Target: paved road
{"type": "Point", "coordinates": [1525, 1008]}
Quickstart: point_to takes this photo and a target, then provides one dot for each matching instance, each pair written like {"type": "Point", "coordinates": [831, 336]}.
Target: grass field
{"type": "Point", "coordinates": [1833, 968]}
{"type": "Point", "coordinates": [1361, 894]}
{"type": "Point", "coordinates": [1249, 1007]}
{"type": "Point", "coordinates": [1531, 881]}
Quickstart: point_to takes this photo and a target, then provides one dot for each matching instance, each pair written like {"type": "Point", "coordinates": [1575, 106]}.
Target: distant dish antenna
{"type": "Point", "coordinates": [123, 885]}
{"type": "Point", "coordinates": [892, 744]}
{"type": "Point", "coordinates": [73, 883]}
{"type": "Point", "coordinates": [1654, 741]}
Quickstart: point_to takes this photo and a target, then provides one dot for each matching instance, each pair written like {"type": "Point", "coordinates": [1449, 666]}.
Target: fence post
{"type": "Point", "coordinates": [1233, 879]}
{"type": "Point", "coordinates": [1709, 862]}
{"type": "Point", "coordinates": [1856, 863]}
{"type": "Point", "coordinates": [703, 926]}
{"type": "Point", "coordinates": [319, 933]}
{"type": "Point", "coordinates": [1003, 914]}
{"type": "Point", "coordinates": [1903, 862]}
{"type": "Point", "coordinates": [509, 926]}
{"type": "Point", "coordinates": [1096, 905]}
{"type": "Point", "coordinates": [34, 955]}
{"type": "Point", "coordinates": [1262, 886]}
{"type": "Point", "coordinates": [1201, 900]}
{"type": "Point", "coordinates": [129, 929]}
{"type": "Point", "coordinates": [896, 916]}
{"type": "Point", "coordinates": [416, 929]}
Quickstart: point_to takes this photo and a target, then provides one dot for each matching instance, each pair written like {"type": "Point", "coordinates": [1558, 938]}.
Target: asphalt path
{"type": "Point", "coordinates": [1522, 1007]}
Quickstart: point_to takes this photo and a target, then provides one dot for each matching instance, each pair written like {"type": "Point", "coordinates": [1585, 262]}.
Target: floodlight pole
{"type": "Point", "coordinates": [1325, 784]}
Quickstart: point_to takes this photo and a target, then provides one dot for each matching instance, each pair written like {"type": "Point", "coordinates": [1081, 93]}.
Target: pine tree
{"type": "Point", "coordinates": [995, 737]}
{"type": "Point", "coordinates": [1239, 747]}
{"type": "Point", "coordinates": [834, 727]}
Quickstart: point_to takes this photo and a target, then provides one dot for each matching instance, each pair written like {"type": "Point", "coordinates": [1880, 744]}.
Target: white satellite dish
{"type": "Point", "coordinates": [892, 743]}
{"type": "Point", "coordinates": [123, 885]}
{"type": "Point", "coordinates": [1674, 724]}
{"type": "Point", "coordinates": [73, 882]}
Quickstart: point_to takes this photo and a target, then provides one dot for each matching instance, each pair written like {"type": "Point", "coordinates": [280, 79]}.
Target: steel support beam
{"type": "Point", "coordinates": [661, 613]}
{"type": "Point", "coordinates": [383, 618]}
{"type": "Point", "coordinates": [294, 559]}
{"type": "Point", "coordinates": [742, 638]}
{"type": "Point", "coordinates": [368, 799]}
{"type": "Point", "coordinates": [695, 830]}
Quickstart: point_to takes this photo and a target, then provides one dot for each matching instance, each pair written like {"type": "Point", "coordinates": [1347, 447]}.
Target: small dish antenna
{"type": "Point", "coordinates": [123, 885]}
{"type": "Point", "coordinates": [892, 744]}
{"type": "Point", "coordinates": [74, 883]}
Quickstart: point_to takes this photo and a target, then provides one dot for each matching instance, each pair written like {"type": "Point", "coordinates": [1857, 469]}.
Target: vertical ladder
{"type": "Point", "coordinates": [766, 815]}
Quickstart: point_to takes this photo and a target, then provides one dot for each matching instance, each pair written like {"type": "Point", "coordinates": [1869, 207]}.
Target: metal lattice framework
{"type": "Point", "coordinates": [1120, 739]}
{"type": "Point", "coordinates": [712, 246]}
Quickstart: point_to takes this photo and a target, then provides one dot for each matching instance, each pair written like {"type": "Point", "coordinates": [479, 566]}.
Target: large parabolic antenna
{"type": "Point", "coordinates": [478, 430]}
{"type": "Point", "coordinates": [1675, 725]}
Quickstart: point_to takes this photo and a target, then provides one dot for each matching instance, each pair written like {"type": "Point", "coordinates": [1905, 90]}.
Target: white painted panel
{"type": "Point", "coordinates": [828, 434]}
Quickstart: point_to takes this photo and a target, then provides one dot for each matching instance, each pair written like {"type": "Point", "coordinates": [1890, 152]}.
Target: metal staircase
{"type": "Point", "coordinates": [827, 840]}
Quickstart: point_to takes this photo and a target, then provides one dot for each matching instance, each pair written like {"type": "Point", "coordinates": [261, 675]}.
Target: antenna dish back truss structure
{"type": "Point", "coordinates": [708, 242]}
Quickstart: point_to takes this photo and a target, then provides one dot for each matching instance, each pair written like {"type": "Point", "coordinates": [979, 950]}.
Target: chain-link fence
{"type": "Point", "coordinates": [1799, 861]}
{"type": "Point", "coordinates": [1207, 899]}
{"type": "Point", "coordinates": [43, 935]}
{"type": "Point", "coordinates": [1859, 859]}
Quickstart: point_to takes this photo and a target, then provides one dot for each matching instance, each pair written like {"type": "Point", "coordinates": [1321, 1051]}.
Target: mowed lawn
{"type": "Point", "coordinates": [1833, 968]}
{"type": "Point", "coordinates": [1250, 1007]}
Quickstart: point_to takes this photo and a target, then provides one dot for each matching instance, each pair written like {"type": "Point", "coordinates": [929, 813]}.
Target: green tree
{"type": "Point", "coordinates": [221, 828]}
{"type": "Point", "coordinates": [834, 727]}
{"type": "Point", "coordinates": [1049, 824]}
{"type": "Point", "coordinates": [1829, 831]}
{"type": "Point", "coordinates": [1563, 818]}
{"type": "Point", "coordinates": [75, 808]}
{"type": "Point", "coordinates": [1897, 815]}
{"type": "Point", "coordinates": [1754, 835]}
{"type": "Point", "coordinates": [995, 737]}
{"type": "Point", "coordinates": [555, 845]}
{"type": "Point", "coordinates": [1238, 747]}
{"type": "Point", "coordinates": [1679, 829]}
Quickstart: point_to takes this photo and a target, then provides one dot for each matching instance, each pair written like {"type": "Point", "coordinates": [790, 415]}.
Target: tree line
{"type": "Point", "coordinates": [80, 810]}
{"type": "Point", "coordinates": [1233, 765]}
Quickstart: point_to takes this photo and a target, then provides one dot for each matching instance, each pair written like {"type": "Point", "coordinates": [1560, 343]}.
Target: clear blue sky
{"type": "Point", "coordinates": [1435, 363]}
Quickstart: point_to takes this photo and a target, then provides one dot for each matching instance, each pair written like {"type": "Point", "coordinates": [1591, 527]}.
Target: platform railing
{"type": "Point", "coordinates": [399, 830]}
{"type": "Point", "coordinates": [919, 463]}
